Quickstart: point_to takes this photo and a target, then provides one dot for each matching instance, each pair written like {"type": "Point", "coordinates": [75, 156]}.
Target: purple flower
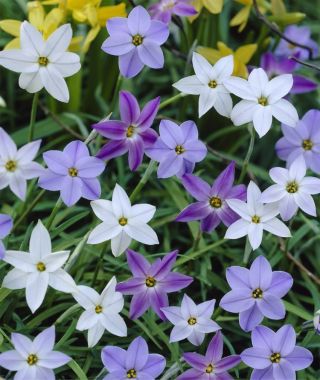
{"type": "Point", "coordinates": [136, 40]}
{"type": "Point", "coordinates": [151, 283]}
{"type": "Point", "coordinates": [33, 360]}
{"type": "Point", "coordinates": [274, 355]}
{"type": "Point", "coordinates": [256, 293]}
{"type": "Point", "coordinates": [73, 172]}
{"type": "Point", "coordinates": [177, 149]}
{"type": "Point", "coordinates": [275, 65]}
{"type": "Point", "coordinates": [133, 133]}
{"type": "Point", "coordinates": [164, 9]}
{"type": "Point", "coordinates": [5, 228]}
{"type": "Point", "coordinates": [135, 363]}
{"type": "Point", "coordinates": [303, 140]}
{"type": "Point", "coordinates": [211, 207]}
{"type": "Point", "coordinates": [301, 35]}
{"type": "Point", "coordinates": [210, 366]}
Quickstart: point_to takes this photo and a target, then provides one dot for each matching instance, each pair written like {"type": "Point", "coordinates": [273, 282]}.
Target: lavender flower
{"type": "Point", "coordinates": [135, 363]}
{"type": "Point", "coordinates": [133, 133]}
{"type": "Point", "coordinates": [33, 360]}
{"type": "Point", "coordinates": [72, 172]}
{"type": "Point", "coordinates": [301, 35]}
{"type": "Point", "coordinates": [211, 207]}
{"type": "Point", "coordinates": [177, 149]}
{"type": "Point", "coordinates": [5, 228]}
{"type": "Point", "coordinates": [151, 283]}
{"type": "Point", "coordinates": [191, 321]}
{"type": "Point", "coordinates": [275, 65]}
{"type": "Point", "coordinates": [256, 293]}
{"type": "Point", "coordinates": [164, 9]}
{"type": "Point", "coordinates": [304, 140]}
{"type": "Point", "coordinates": [274, 355]}
{"type": "Point", "coordinates": [136, 40]}
{"type": "Point", "coordinates": [210, 366]}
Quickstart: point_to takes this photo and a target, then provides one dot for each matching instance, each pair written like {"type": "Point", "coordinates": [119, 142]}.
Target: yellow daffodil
{"type": "Point", "coordinates": [241, 56]}
{"type": "Point", "coordinates": [213, 6]}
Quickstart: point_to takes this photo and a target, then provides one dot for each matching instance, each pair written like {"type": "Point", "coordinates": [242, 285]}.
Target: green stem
{"type": "Point", "coordinates": [98, 266]}
{"type": "Point", "coordinates": [115, 92]}
{"type": "Point", "coordinates": [143, 180]}
{"type": "Point", "coordinates": [171, 100]}
{"type": "Point", "coordinates": [54, 213]}
{"type": "Point", "coordinates": [248, 155]}
{"type": "Point", "coordinates": [33, 115]}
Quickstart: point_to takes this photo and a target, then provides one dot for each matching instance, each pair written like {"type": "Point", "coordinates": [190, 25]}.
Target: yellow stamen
{"type": "Point", "coordinates": [41, 267]}
{"type": "Point", "coordinates": [43, 61]}
{"type": "Point", "coordinates": [11, 166]}
{"type": "Point", "coordinates": [137, 40]}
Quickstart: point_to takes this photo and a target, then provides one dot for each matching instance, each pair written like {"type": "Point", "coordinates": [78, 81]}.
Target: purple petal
{"type": "Point", "coordinates": [151, 54]}
{"type": "Point", "coordinates": [215, 348]}
{"type": "Point", "coordinates": [149, 137]}
{"type": "Point", "coordinates": [262, 337]}
{"type": "Point", "coordinates": [184, 9]}
{"type": "Point", "coordinates": [75, 151]}
{"type": "Point", "coordinates": [227, 215]}
{"type": "Point", "coordinates": [170, 166]}
{"type": "Point", "coordinates": [174, 282]}
{"type": "Point", "coordinates": [262, 374]}
{"type": "Point", "coordinates": [250, 318]}
{"type": "Point", "coordinates": [237, 300]}
{"type": "Point", "coordinates": [113, 149]}
{"type": "Point", "coordinates": [209, 223]}
{"type": "Point", "coordinates": [2, 250]}
{"type": "Point", "coordinates": [222, 185]}
{"type": "Point", "coordinates": [51, 181]}
{"type": "Point", "coordinates": [271, 307]}
{"type": "Point", "coordinates": [12, 360]}
{"type": "Point", "coordinates": [237, 192]}
{"type": "Point", "coordinates": [300, 358]}
{"type": "Point", "coordinates": [113, 358]}
{"type": "Point", "coordinates": [161, 269]}
{"type": "Point", "coordinates": [284, 371]}
{"type": "Point", "coordinates": [148, 114]}
{"type": "Point", "coordinates": [71, 190]}
{"type": "Point", "coordinates": [192, 374]}
{"type": "Point", "coordinates": [195, 211]}
{"type": "Point", "coordinates": [197, 187]}
{"type": "Point", "coordinates": [227, 363]}
{"type": "Point", "coordinates": [158, 32]}
{"type": "Point", "coordinates": [281, 283]}
{"type": "Point", "coordinates": [130, 64]}
{"type": "Point", "coordinates": [260, 275]}
{"type": "Point", "coordinates": [112, 129]}
{"type": "Point", "coordinates": [196, 361]}
{"type": "Point", "coordinates": [195, 150]}
{"type": "Point", "coordinates": [189, 131]}
{"type": "Point", "coordinates": [132, 286]}
{"type": "Point", "coordinates": [117, 24]}
{"type": "Point", "coordinates": [302, 85]}
{"type": "Point", "coordinates": [171, 133]}
{"type": "Point", "coordinates": [136, 151]}
{"type": "Point", "coordinates": [44, 341]}
{"type": "Point", "coordinates": [6, 225]}
{"type": "Point", "coordinates": [268, 62]}
{"type": "Point", "coordinates": [139, 21]}
{"type": "Point", "coordinates": [118, 44]}
{"type": "Point", "coordinates": [256, 357]}
{"type": "Point", "coordinates": [58, 162]}
{"type": "Point", "coordinates": [137, 354]}
{"type": "Point", "coordinates": [90, 167]}
{"type": "Point", "coordinates": [285, 340]}
{"type": "Point", "coordinates": [158, 300]}
{"type": "Point", "coordinates": [138, 265]}
{"type": "Point", "coordinates": [139, 304]}
{"type": "Point", "coordinates": [238, 277]}
{"type": "Point", "coordinates": [129, 108]}
{"type": "Point", "coordinates": [155, 365]}
{"type": "Point", "coordinates": [90, 188]}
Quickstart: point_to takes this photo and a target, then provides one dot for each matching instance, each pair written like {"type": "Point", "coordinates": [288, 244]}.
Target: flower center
{"type": "Point", "coordinates": [307, 144]}
{"type": "Point", "coordinates": [150, 282]}
{"type": "Point", "coordinates": [137, 40]}
{"type": "Point", "coordinates": [209, 368]}
{"type": "Point", "coordinates": [292, 187]}
{"type": "Point", "coordinates": [275, 357]}
{"type": "Point", "coordinates": [73, 172]}
{"type": "Point", "coordinates": [123, 221]}
{"type": "Point", "coordinates": [215, 202]}
{"type": "Point", "coordinates": [41, 266]}
{"type": "Point", "coordinates": [255, 219]}
{"type": "Point", "coordinates": [132, 374]}
{"type": "Point", "coordinates": [212, 84]}
{"type": "Point", "coordinates": [32, 359]}
{"type": "Point", "coordinates": [43, 61]}
{"type": "Point", "coordinates": [130, 131]}
{"type": "Point", "coordinates": [179, 149]}
{"type": "Point", "coordinates": [263, 101]}
{"type": "Point", "coordinates": [192, 321]}
{"type": "Point", "coordinates": [257, 293]}
{"type": "Point", "coordinates": [98, 309]}
{"type": "Point", "coordinates": [11, 166]}
{"type": "Point", "coordinates": [167, 5]}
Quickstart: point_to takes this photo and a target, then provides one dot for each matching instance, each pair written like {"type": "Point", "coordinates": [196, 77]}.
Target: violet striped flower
{"type": "Point", "coordinates": [5, 228]}
{"type": "Point", "coordinates": [163, 10]}
{"type": "Point", "coordinates": [133, 133]}
{"type": "Point", "coordinates": [151, 283]}
{"type": "Point", "coordinates": [211, 207]}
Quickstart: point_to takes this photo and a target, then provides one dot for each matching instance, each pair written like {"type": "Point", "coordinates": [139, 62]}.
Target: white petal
{"type": "Point", "coordinates": [94, 334]}
{"type": "Point", "coordinates": [31, 39]}
{"type": "Point", "coordinates": [288, 207]}
{"type": "Point", "coordinates": [40, 242]}
{"type": "Point", "coordinates": [142, 233]}
{"type": "Point", "coordinates": [109, 289]}
{"type": "Point", "coordinates": [240, 207]}
{"type": "Point", "coordinates": [181, 331]}
{"type": "Point", "coordinates": [15, 279]}
{"type": "Point", "coordinates": [240, 87]}
{"type": "Point", "coordinates": [202, 68]}
{"type": "Point", "coordinates": [87, 320]}
{"type": "Point", "coordinates": [278, 87]}
{"type": "Point", "coordinates": [141, 213]}
{"type": "Point", "coordinates": [242, 112]}
{"type": "Point", "coordinates": [273, 194]}
{"type": "Point", "coordinates": [18, 185]}
{"type": "Point", "coordinates": [17, 61]}
{"type": "Point", "coordinates": [237, 229]}
{"type": "Point", "coordinates": [189, 85]}
{"type": "Point", "coordinates": [310, 185]}
{"type": "Point", "coordinates": [223, 104]}
{"type": "Point", "coordinates": [196, 337]}
{"type": "Point", "coordinates": [54, 261]}
{"type": "Point", "coordinates": [253, 197]}
{"type": "Point", "coordinates": [262, 119]}
{"type": "Point", "coordinates": [276, 227]}
{"type": "Point", "coordinates": [103, 209]}
{"type": "Point", "coordinates": [298, 169]}
{"type": "Point", "coordinates": [31, 82]}
{"type": "Point", "coordinates": [279, 175]}
{"type": "Point", "coordinates": [258, 80]}
{"type": "Point", "coordinates": [269, 211]}
{"type": "Point", "coordinates": [120, 243]}
{"type": "Point", "coordinates": [255, 233]}
{"type": "Point", "coordinates": [223, 68]}
{"type": "Point", "coordinates": [54, 83]}
{"type": "Point", "coordinates": [285, 112]}
{"type": "Point", "coordinates": [120, 202]}
{"type": "Point", "coordinates": [28, 152]}
{"type": "Point", "coordinates": [8, 148]}
{"type": "Point", "coordinates": [86, 296]}
{"type": "Point", "coordinates": [67, 63]}
{"type": "Point", "coordinates": [59, 41]}
{"type": "Point", "coordinates": [114, 324]}
{"type": "Point", "coordinates": [306, 203]}
{"type": "Point", "coordinates": [62, 281]}
{"type": "Point", "coordinates": [173, 314]}
{"type": "Point", "coordinates": [37, 285]}
{"type": "Point", "coordinates": [207, 100]}
{"type": "Point", "coordinates": [103, 232]}
{"type": "Point", "coordinates": [20, 260]}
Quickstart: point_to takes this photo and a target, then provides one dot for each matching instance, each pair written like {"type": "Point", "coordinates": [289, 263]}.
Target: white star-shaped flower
{"type": "Point", "coordinates": [16, 166]}
{"type": "Point", "coordinates": [262, 100]}
{"type": "Point", "coordinates": [255, 217]}
{"type": "Point", "coordinates": [101, 311]}
{"type": "Point", "coordinates": [43, 63]}
{"type": "Point", "coordinates": [209, 84]}
{"type": "Point", "coordinates": [122, 222]}
{"type": "Point", "coordinates": [38, 269]}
